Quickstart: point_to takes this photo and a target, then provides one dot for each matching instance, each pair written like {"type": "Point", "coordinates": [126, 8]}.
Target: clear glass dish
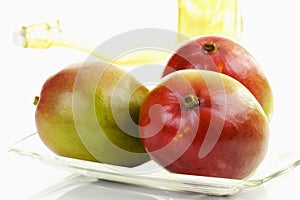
{"type": "Point", "coordinates": [152, 176]}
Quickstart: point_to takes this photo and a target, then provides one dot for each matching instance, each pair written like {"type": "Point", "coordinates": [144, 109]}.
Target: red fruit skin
{"type": "Point", "coordinates": [226, 136]}
{"type": "Point", "coordinates": [231, 59]}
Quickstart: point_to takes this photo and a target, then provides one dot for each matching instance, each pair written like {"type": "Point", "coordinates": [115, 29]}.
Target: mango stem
{"type": "Point", "coordinates": [210, 47]}
{"type": "Point", "coordinates": [190, 101]}
{"type": "Point", "coordinates": [36, 100]}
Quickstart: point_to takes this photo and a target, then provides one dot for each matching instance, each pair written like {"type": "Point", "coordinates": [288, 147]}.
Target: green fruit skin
{"type": "Point", "coordinates": [76, 112]}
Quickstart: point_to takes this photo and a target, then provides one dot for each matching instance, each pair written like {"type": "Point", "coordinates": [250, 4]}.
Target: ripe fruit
{"type": "Point", "coordinates": [205, 123]}
{"type": "Point", "coordinates": [90, 111]}
{"type": "Point", "coordinates": [223, 55]}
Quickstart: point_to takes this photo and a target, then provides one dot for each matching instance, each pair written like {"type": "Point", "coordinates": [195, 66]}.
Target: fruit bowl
{"type": "Point", "coordinates": [278, 162]}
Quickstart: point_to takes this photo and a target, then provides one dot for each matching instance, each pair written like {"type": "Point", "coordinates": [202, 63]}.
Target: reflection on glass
{"type": "Point", "coordinates": [195, 18]}
{"type": "Point", "coordinates": [203, 17]}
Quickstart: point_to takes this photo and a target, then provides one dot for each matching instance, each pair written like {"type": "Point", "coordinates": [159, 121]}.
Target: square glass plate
{"type": "Point", "coordinates": [153, 176]}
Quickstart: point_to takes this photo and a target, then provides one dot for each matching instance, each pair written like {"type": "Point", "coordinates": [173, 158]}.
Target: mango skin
{"type": "Point", "coordinates": [75, 115]}
{"type": "Point", "coordinates": [230, 58]}
{"type": "Point", "coordinates": [225, 134]}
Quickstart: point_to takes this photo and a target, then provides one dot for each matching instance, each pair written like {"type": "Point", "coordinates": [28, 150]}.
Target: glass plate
{"type": "Point", "coordinates": [153, 176]}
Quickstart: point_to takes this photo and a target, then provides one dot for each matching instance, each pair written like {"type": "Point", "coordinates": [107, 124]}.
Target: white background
{"type": "Point", "coordinates": [271, 34]}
